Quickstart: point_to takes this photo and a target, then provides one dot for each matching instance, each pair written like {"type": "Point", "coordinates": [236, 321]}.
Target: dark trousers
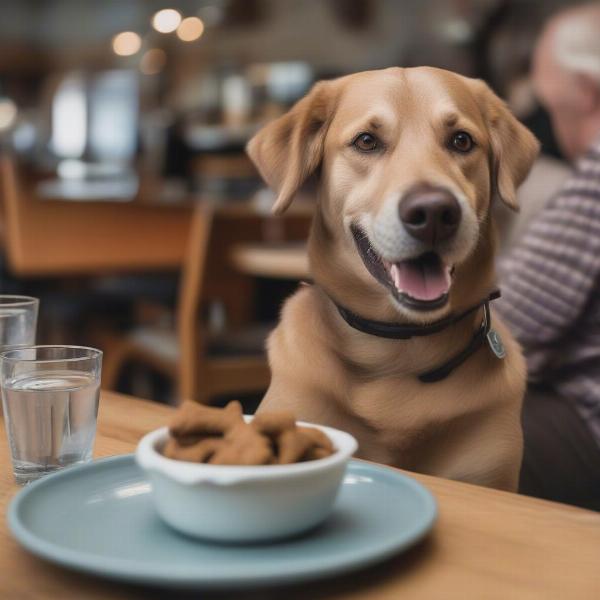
{"type": "Point", "coordinates": [561, 459]}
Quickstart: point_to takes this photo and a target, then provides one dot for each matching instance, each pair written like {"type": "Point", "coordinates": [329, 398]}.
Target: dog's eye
{"type": "Point", "coordinates": [461, 141]}
{"type": "Point", "coordinates": [366, 142]}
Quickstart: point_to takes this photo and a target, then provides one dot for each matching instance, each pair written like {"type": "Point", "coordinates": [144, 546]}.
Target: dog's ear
{"type": "Point", "coordinates": [514, 148]}
{"type": "Point", "coordinates": [288, 150]}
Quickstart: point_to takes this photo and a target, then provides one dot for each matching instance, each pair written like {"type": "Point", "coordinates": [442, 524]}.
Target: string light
{"type": "Point", "coordinates": [190, 29]}
{"type": "Point", "coordinates": [126, 43]}
{"type": "Point", "coordinates": [8, 113]}
{"type": "Point", "coordinates": [166, 20]}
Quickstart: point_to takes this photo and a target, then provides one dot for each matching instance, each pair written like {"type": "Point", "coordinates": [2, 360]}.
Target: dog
{"type": "Point", "coordinates": [394, 341]}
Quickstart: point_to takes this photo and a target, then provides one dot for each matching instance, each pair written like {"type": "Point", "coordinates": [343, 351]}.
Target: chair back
{"type": "Point", "coordinates": [209, 276]}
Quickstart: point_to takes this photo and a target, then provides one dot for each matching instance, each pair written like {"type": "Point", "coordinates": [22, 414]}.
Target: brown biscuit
{"type": "Point", "coordinates": [292, 445]}
{"type": "Point", "coordinates": [190, 440]}
{"type": "Point", "coordinates": [171, 448]}
{"type": "Point", "coordinates": [319, 439]}
{"type": "Point", "coordinates": [274, 423]}
{"type": "Point", "coordinates": [243, 445]}
{"type": "Point", "coordinates": [315, 453]}
{"type": "Point", "coordinates": [222, 437]}
{"type": "Point", "coordinates": [196, 419]}
{"type": "Point", "coordinates": [202, 451]}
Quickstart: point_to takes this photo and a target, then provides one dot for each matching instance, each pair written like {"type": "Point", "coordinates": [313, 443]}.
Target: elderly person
{"type": "Point", "coordinates": [551, 280]}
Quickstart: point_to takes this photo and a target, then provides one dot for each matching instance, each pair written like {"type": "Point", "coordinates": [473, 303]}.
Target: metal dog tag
{"type": "Point", "coordinates": [495, 343]}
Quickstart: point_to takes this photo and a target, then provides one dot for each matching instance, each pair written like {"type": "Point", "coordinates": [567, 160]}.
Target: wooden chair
{"type": "Point", "coordinates": [60, 249]}
{"type": "Point", "coordinates": [203, 362]}
{"type": "Point", "coordinates": [61, 238]}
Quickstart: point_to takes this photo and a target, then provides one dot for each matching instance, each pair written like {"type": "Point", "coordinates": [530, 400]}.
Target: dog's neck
{"type": "Point", "coordinates": [402, 331]}
{"type": "Point", "coordinates": [336, 269]}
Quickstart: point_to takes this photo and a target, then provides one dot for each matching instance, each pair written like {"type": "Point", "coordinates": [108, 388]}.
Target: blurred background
{"type": "Point", "coordinates": [127, 204]}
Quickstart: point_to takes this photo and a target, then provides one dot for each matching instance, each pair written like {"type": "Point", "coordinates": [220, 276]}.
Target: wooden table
{"type": "Point", "coordinates": [64, 237]}
{"type": "Point", "coordinates": [486, 544]}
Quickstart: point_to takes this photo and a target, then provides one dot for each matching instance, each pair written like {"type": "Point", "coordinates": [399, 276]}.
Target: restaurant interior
{"type": "Point", "coordinates": [130, 208]}
{"type": "Point", "coordinates": [121, 122]}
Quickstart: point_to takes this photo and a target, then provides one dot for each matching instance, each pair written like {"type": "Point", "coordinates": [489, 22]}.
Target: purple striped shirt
{"type": "Point", "coordinates": [550, 283]}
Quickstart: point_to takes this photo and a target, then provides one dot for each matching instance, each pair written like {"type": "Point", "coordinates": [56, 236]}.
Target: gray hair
{"type": "Point", "coordinates": [577, 41]}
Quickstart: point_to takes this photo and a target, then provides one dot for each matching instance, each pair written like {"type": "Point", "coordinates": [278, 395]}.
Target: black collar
{"type": "Point", "coordinates": [400, 331]}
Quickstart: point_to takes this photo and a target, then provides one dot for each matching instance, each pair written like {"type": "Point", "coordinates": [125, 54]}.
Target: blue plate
{"type": "Point", "coordinates": [98, 518]}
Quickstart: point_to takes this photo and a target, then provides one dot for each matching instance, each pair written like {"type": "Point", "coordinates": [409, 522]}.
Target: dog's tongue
{"type": "Point", "coordinates": [424, 278]}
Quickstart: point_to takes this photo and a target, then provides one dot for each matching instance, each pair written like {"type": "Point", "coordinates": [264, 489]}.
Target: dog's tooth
{"type": "Point", "coordinates": [395, 274]}
{"type": "Point", "coordinates": [448, 274]}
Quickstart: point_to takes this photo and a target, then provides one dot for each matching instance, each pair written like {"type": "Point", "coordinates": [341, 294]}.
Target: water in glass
{"type": "Point", "coordinates": [51, 420]}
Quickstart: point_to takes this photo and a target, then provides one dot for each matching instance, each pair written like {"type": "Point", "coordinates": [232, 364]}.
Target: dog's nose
{"type": "Point", "coordinates": [430, 214]}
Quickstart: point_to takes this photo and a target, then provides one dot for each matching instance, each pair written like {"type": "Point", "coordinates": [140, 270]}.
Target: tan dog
{"type": "Point", "coordinates": [407, 162]}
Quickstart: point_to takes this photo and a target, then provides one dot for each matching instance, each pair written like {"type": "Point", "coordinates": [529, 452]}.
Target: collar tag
{"type": "Point", "coordinates": [496, 344]}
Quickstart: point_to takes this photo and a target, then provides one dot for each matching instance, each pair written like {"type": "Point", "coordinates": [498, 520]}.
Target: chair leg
{"type": "Point", "coordinates": [115, 356]}
{"type": "Point", "coordinates": [202, 396]}
{"type": "Point", "coordinates": [194, 387]}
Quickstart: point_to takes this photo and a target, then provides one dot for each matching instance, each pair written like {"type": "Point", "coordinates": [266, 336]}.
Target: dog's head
{"type": "Point", "coordinates": [408, 161]}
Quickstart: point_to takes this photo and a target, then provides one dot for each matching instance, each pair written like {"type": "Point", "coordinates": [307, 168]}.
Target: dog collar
{"type": "Point", "coordinates": [400, 331]}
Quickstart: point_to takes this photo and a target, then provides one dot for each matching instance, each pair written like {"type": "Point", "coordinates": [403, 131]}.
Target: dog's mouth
{"type": "Point", "coordinates": [420, 283]}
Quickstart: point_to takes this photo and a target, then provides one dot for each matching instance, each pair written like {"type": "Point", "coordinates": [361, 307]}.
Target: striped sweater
{"type": "Point", "coordinates": [550, 291]}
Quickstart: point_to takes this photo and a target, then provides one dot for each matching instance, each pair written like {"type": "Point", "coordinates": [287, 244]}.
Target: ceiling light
{"type": "Point", "coordinates": [126, 43]}
{"type": "Point", "coordinates": [8, 113]}
{"type": "Point", "coordinates": [166, 20]}
{"type": "Point", "coordinates": [190, 29]}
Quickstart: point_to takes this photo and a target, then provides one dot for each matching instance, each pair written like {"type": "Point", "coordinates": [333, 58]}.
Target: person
{"type": "Point", "coordinates": [550, 280]}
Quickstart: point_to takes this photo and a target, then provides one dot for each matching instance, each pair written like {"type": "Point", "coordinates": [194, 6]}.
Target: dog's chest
{"type": "Point", "coordinates": [388, 413]}
{"type": "Point", "coordinates": [402, 420]}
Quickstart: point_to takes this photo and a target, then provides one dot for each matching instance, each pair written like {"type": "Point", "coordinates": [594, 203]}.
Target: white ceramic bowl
{"type": "Point", "coordinates": [244, 503]}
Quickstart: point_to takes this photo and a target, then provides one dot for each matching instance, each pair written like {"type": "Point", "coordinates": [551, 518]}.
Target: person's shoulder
{"type": "Point", "coordinates": [581, 191]}
{"type": "Point", "coordinates": [587, 166]}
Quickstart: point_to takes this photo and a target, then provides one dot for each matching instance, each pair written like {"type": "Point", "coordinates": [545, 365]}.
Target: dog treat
{"type": "Point", "coordinates": [220, 436]}
{"type": "Point", "coordinates": [315, 453]}
{"type": "Point", "coordinates": [190, 440]}
{"type": "Point", "coordinates": [194, 419]}
{"type": "Point", "coordinates": [319, 439]}
{"type": "Point", "coordinates": [243, 445]}
{"type": "Point", "coordinates": [292, 446]}
{"type": "Point", "coordinates": [274, 423]}
{"type": "Point", "coordinates": [303, 443]}
{"type": "Point", "coordinates": [202, 451]}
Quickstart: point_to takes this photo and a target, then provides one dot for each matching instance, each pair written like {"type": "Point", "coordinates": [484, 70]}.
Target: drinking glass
{"type": "Point", "coordinates": [18, 321]}
{"type": "Point", "coordinates": [50, 400]}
